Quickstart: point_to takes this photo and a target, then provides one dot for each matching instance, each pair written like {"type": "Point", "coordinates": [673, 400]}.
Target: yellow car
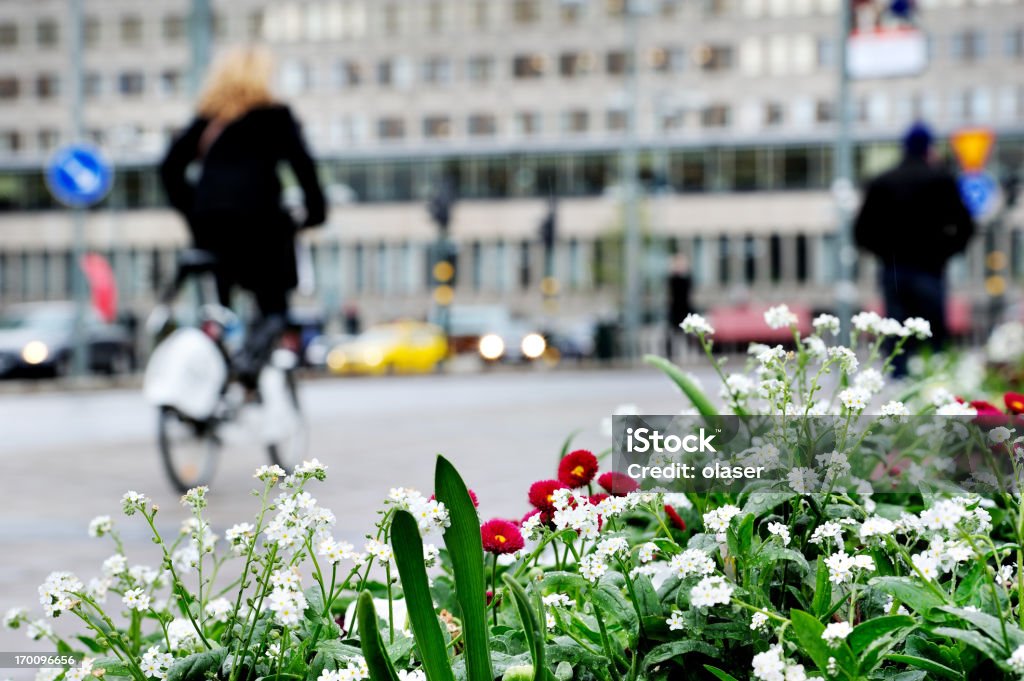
{"type": "Point", "coordinates": [399, 347]}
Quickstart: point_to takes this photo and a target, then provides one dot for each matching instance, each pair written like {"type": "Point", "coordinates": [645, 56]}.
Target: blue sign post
{"type": "Point", "coordinates": [79, 175]}
{"type": "Point", "coordinates": [978, 191]}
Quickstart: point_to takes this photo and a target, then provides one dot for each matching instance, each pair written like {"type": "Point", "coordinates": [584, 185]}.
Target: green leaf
{"type": "Point", "coordinates": [990, 625]}
{"type": "Point", "coordinates": [567, 444]}
{"type": "Point", "coordinates": [740, 536]}
{"type": "Point", "coordinates": [608, 597]}
{"type": "Point", "coordinates": [464, 544]}
{"type": "Point", "coordinates": [719, 674]}
{"type": "Point", "coordinates": [408, 548]}
{"type": "Point", "coordinates": [982, 644]}
{"type": "Point", "coordinates": [673, 649]}
{"type": "Point", "coordinates": [195, 667]}
{"type": "Point", "coordinates": [535, 632]}
{"type": "Point", "coordinates": [867, 632]}
{"type": "Point", "coordinates": [377, 660]}
{"type": "Point", "coordinates": [910, 591]}
{"type": "Point", "coordinates": [112, 667]}
{"type": "Point", "coordinates": [808, 632]}
{"type": "Point", "coordinates": [927, 665]}
{"type": "Point", "coordinates": [773, 553]}
{"type": "Point", "coordinates": [696, 396]}
{"type": "Point", "coordinates": [822, 590]}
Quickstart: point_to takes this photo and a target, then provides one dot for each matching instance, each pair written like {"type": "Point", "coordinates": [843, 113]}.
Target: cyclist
{"type": "Point", "coordinates": [239, 137]}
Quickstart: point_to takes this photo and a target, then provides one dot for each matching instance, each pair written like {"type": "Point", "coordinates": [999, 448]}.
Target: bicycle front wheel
{"type": "Point", "coordinates": [288, 445]}
{"type": "Point", "coordinates": [189, 449]}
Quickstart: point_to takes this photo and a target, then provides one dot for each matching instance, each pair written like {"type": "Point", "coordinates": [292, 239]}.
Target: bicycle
{"type": "Point", "coordinates": [189, 378]}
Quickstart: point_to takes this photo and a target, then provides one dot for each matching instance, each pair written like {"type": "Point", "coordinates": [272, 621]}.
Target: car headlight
{"type": "Point", "coordinates": [491, 346]}
{"type": "Point", "coordinates": [35, 352]}
{"type": "Point", "coordinates": [373, 357]}
{"type": "Point", "coordinates": [336, 360]}
{"type": "Point", "coordinates": [533, 345]}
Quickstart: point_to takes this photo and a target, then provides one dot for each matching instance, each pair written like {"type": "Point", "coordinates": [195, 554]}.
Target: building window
{"type": "Point", "coordinates": [390, 128]}
{"type": "Point", "coordinates": [172, 27]}
{"type": "Point", "coordinates": [131, 83]}
{"type": "Point", "coordinates": [480, 14]}
{"type": "Point", "coordinates": [528, 66]}
{"type": "Point", "coordinates": [615, 120]}
{"type": "Point", "coordinates": [131, 30]}
{"type": "Point", "coordinates": [347, 74]}
{"type": "Point", "coordinates": [437, 127]}
{"type": "Point", "coordinates": [1013, 43]}
{"type": "Point", "coordinates": [8, 34]}
{"type": "Point", "coordinates": [47, 86]}
{"type": "Point", "coordinates": [575, 121]}
{"type": "Point", "coordinates": [389, 19]}
{"type": "Point", "coordinates": [616, 8]}
{"type": "Point", "coordinates": [92, 32]}
{"type": "Point", "coordinates": [668, 59]}
{"type": "Point", "coordinates": [716, 8]}
{"type": "Point", "coordinates": [47, 33]}
{"type": "Point", "coordinates": [571, 12]}
{"type": "Point", "coordinates": [10, 141]}
{"type": "Point", "coordinates": [92, 85]}
{"type": "Point", "coordinates": [527, 123]}
{"type": "Point", "coordinates": [437, 70]}
{"type": "Point", "coordinates": [482, 125]}
{"type": "Point", "coordinates": [714, 58]}
{"type": "Point", "coordinates": [386, 72]}
{"type": "Point", "coordinates": [254, 25]}
{"type": "Point", "coordinates": [715, 116]}
{"type": "Point", "coordinates": [436, 16]}
{"type": "Point", "coordinates": [47, 139]}
{"type": "Point", "coordinates": [480, 69]}
{"type": "Point", "coordinates": [526, 11]}
{"type": "Point", "coordinates": [824, 111]}
{"type": "Point", "coordinates": [773, 114]}
{"type": "Point", "coordinates": [616, 62]}
{"type": "Point", "coordinates": [171, 83]}
{"type": "Point", "coordinates": [573, 64]}
{"type": "Point", "coordinates": [8, 87]}
{"type": "Point", "coordinates": [967, 45]}
{"type": "Point", "coordinates": [825, 53]}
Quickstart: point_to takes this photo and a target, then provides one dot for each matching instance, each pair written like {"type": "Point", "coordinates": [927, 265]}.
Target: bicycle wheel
{"type": "Point", "coordinates": [189, 449]}
{"type": "Point", "coordinates": [291, 431]}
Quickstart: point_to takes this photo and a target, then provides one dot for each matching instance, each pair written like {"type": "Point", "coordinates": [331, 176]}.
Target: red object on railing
{"type": "Point", "coordinates": [745, 324]}
{"type": "Point", "coordinates": [102, 285]}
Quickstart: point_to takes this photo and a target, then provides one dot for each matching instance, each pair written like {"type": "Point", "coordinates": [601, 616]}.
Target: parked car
{"type": "Point", "coordinates": [37, 339]}
{"type": "Point", "coordinates": [398, 347]}
{"type": "Point", "coordinates": [492, 332]}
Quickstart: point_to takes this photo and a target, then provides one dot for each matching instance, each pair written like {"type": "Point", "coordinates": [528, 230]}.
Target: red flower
{"type": "Point", "coordinates": [989, 415]}
{"type": "Point", "coordinates": [501, 536]}
{"type": "Point", "coordinates": [596, 499]}
{"type": "Point", "coordinates": [676, 519]}
{"type": "Point", "coordinates": [618, 484]}
{"type": "Point", "coordinates": [472, 495]}
{"type": "Point", "coordinates": [1014, 403]}
{"type": "Point", "coordinates": [577, 468]}
{"type": "Point", "coordinates": [542, 494]}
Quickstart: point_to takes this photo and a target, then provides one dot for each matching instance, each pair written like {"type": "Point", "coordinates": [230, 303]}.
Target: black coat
{"type": "Point", "coordinates": [234, 209]}
{"type": "Point", "coordinates": [913, 217]}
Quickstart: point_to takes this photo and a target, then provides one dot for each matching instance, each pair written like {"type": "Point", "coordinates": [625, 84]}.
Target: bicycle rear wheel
{"type": "Point", "coordinates": [291, 438]}
{"type": "Point", "coordinates": [189, 449]}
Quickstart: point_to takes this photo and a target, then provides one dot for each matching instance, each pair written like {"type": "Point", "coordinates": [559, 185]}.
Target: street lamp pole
{"type": "Point", "coordinates": [75, 102]}
{"type": "Point", "coordinates": [842, 185]}
{"type": "Point", "coordinates": [200, 29]}
{"type": "Point", "coordinates": [629, 164]}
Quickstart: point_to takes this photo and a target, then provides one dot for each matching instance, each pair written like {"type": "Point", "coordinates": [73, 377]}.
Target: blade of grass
{"type": "Point", "coordinates": [377, 660]}
{"type": "Point", "coordinates": [531, 627]}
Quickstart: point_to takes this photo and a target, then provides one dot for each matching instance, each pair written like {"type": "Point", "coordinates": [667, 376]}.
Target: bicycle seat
{"type": "Point", "coordinates": [196, 260]}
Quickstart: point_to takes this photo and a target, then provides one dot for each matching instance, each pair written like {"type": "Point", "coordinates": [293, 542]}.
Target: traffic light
{"type": "Point", "coordinates": [440, 206]}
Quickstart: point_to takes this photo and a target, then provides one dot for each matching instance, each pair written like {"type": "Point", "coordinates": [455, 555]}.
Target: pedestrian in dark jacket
{"type": "Point", "coordinates": [240, 136]}
{"type": "Point", "coordinates": [914, 220]}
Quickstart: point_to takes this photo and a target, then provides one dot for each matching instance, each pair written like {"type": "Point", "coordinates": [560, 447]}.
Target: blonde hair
{"type": "Point", "coordinates": [238, 82]}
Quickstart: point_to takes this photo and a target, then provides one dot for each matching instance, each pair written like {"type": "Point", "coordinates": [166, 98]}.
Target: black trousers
{"type": "Point", "coordinates": [911, 292]}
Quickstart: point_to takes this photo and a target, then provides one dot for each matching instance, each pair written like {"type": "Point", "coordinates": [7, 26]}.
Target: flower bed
{"type": "Point", "coordinates": [815, 573]}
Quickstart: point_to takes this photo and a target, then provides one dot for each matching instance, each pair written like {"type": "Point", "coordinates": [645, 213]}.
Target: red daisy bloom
{"type": "Point", "coordinates": [618, 484]}
{"type": "Point", "coordinates": [989, 415]}
{"type": "Point", "coordinates": [1014, 403]}
{"type": "Point", "coordinates": [674, 516]}
{"type": "Point", "coordinates": [578, 468]}
{"type": "Point", "coordinates": [596, 499]}
{"type": "Point", "coordinates": [542, 494]}
{"type": "Point", "coordinates": [501, 536]}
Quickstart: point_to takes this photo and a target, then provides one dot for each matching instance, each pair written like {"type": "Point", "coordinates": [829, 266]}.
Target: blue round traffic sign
{"type": "Point", "coordinates": [79, 175]}
{"type": "Point", "coordinates": [978, 191]}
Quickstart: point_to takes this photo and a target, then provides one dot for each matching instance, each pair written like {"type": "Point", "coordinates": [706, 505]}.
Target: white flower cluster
{"type": "Point", "coordinates": [80, 673]}
{"type": "Point", "coordinates": [298, 518]}
{"type": "Point", "coordinates": [836, 632]}
{"type": "Point", "coordinates": [1006, 343]}
{"type": "Point", "coordinates": [59, 592]}
{"type": "Point", "coordinates": [286, 600]}
{"type": "Point", "coordinates": [355, 670]}
{"type": "Point", "coordinates": [781, 531]}
{"type": "Point", "coordinates": [803, 480]}
{"type": "Point", "coordinates": [240, 536]}
{"type": "Point", "coordinates": [133, 501]}
{"type": "Point", "coordinates": [379, 550]}
{"type": "Point", "coordinates": [311, 469]}
{"type": "Point", "coordinates": [826, 323]}
{"type": "Point", "coordinates": [717, 521]}
{"type": "Point", "coordinates": [136, 599]}
{"type": "Point", "coordinates": [430, 514]}
{"type": "Point", "coordinates": [941, 557]}
{"type": "Point", "coordinates": [555, 600]}
{"type": "Point", "coordinates": [182, 635]}
{"type": "Point", "coordinates": [218, 609]}
{"type": "Point", "coordinates": [772, 665]}
{"type": "Point", "coordinates": [691, 562]}
{"type": "Point", "coordinates": [696, 324]}
{"type": "Point", "coordinates": [841, 566]}
{"type": "Point", "coordinates": [675, 621]}
{"type": "Point", "coordinates": [779, 317]}
{"type": "Point", "coordinates": [647, 552]}
{"type": "Point", "coordinates": [574, 511]}
{"type": "Point", "coordinates": [593, 567]}
{"type": "Point", "coordinates": [711, 591]}
{"type": "Point", "coordinates": [334, 552]}
{"type": "Point", "coordinates": [876, 526]}
{"type": "Point", "coordinates": [100, 526]}
{"type": "Point", "coordinates": [759, 622]}
{"type": "Point", "coordinates": [195, 498]}
{"type": "Point", "coordinates": [270, 474]}
{"type": "Point", "coordinates": [155, 664]}
{"type": "Point", "coordinates": [1016, 660]}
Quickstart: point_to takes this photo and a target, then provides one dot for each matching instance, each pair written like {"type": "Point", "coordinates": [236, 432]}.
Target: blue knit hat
{"type": "Point", "coordinates": [917, 140]}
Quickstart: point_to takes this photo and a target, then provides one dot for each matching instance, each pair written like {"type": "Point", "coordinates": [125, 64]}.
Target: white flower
{"type": "Point", "coordinates": [759, 621]}
{"type": "Point", "coordinates": [944, 515]}
{"type": "Point", "coordinates": [854, 399]}
{"type": "Point", "coordinates": [892, 327]}
{"type": "Point", "coordinates": [414, 675]}
{"type": "Point", "coordinates": [894, 408]}
{"type": "Point", "coordinates": [269, 474]}
{"type": "Point", "coordinates": [955, 408]}
{"type": "Point", "coordinates": [182, 635]}
{"type": "Point", "coordinates": [802, 480]}
{"type": "Point", "coordinates": [691, 562]}
{"type": "Point", "coordinates": [999, 434]}
{"type": "Point", "coordinates": [836, 632]}
{"type": "Point", "coordinates": [846, 358]}
{"type": "Point", "coordinates": [132, 501]}
{"type": "Point", "coordinates": [696, 325]}
{"type": "Point", "coordinates": [613, 546]}
{"type": "Point", "coordinates": [868, 322]}
{"type": "Point", "coordinates": [717, 520]}
{"type": "Point", "coordinates": [870, 380]}
{"type": "Point", "coordinates": [14, 617]}
{"type": "Point", "coordinates": [593, 567]}
{"type": "Point", "coordinates": [287, 606]}
{"type": "Point", "coordinates": [711, 591]}
{"type": "Point", "coordinates": [136, 599]}
{"type": "Point", "coordinates": [218, 609]}
{"type": "Point", "coordinates": [781, 531]}
{"type": "Point", "coordinates": [155, 664]}
{"type": "Point", "coordinates": [841, 566]}
{"type": "Point", "coordinates": [772, 666]}
{"type": "Point", "coordinates": [646, 552]}
{"type": "Point", "coordinates": [769, 356]}
{"type": "Point", "coordinates": [58, 592]}
{"type": "Point", "coordinates": [38, 630]}
{"type": "Point", "coordinates": [1006, 344]}
{"type": "Point", "coordinates": [926, 564]}
{"type": "Point", "coordinates": [826, 322]}
{"type": "Point", "coordinates": [195, 498]}
{"type": "Point", "coordinates": [311, 469]}
{"type": "Point", "coordinates": [834, 463]}
{"type": "Point", "coordinates": [558, 600]}
{"type": "Point", "coordinates": [816, 347]}
{"type": "Point", "coordinates": [675, 621]}
{"type": "Point", "coordinates": [779, 317]}
{"type": "Point", "coordinates": [379, 550]}
{"type": "Point", "coordinates": [876, 526]}
{"type": "Point", "coordinates": [100, 525]}
{"type": "Point", "coordinates": [1016, 660]}
{"type": "Point", "coordinates": [921, 328]}
{"type": "Point", "coordinates": [827, 530]}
